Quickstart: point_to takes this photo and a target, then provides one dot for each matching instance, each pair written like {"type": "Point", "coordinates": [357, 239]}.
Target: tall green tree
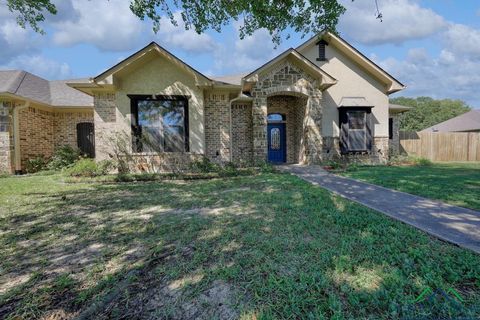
{"type": "Point", "coordinates": [200, 15]}
{"type": "Point", "coordinates": [427, 112]}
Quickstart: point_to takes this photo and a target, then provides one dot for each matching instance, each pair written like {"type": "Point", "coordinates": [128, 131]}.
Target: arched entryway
{"type": "Point", "coordinates": [285, 128]}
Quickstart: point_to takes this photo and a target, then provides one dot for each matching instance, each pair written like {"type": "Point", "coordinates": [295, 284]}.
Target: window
{"type": "Point", "coordinates": [275, 139]}
{"type": "Point", "coordinates": [3, 118]}
{"type": "Point", "coordinates": [357, 135]}
{"type": "Point", "coordinates": [275, 117]}
{"type": "Point", "coordinates": [160, 124]}
{"type": "Point", "coordinates": [390, 128]}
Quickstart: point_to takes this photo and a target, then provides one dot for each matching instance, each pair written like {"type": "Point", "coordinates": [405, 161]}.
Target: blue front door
{"type": "Point", "coordinates": [277, 146]}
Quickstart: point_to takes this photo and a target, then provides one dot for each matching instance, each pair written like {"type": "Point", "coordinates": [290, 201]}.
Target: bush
{"type": "Point", "coordinates": [88, 168]}
{"type": "Point", "coordinates": [422, 162]}
{"type": "Point", "coordinates": [63, 157]}
{"type": "Point", "coordinates": [228, 170]}
{"type": "Point", "coordinates": [204, 166]}
{"type": "Point", "coordinates": [36, 164]}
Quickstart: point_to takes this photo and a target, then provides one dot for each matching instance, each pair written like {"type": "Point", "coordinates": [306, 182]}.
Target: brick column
{"type": "Point", "coordinates": [259, 118]}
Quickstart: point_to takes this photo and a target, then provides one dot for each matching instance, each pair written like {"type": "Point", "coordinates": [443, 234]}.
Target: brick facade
{"type": "Point", "coordinates": [242, 135]}
{"type": "Point", "coordinates": [217, 126]}
{"type": "Point", "coordinates": [36, 134]}
{"type": "Point", "coordinates": [42, 131]}
{"type": "Point", "coordinates": [65, 127]}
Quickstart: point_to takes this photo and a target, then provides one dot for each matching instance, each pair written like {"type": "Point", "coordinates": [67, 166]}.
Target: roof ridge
{"type": "Point", "coordinates": [21, 81]}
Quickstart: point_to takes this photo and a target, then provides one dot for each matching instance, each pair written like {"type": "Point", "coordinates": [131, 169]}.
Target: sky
{"type": "Point", "coordinates": [432, 46]}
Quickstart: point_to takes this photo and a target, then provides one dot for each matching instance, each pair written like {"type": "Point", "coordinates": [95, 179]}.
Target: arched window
{"type": "Point", "coordinates": [276, 117]}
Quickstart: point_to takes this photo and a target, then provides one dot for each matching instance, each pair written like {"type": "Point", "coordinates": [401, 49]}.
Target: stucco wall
{"type": "Point", "coordinates": [162, 77]}
{"type": "Point", "coordinates": [353, 81]}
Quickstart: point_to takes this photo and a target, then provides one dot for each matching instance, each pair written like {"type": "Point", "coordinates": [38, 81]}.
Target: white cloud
{"type": "Point", "coordinates": [463, 40]}
{"type": "Point", "coordinates": [14, 40]}
{"type": "Point", "coordinates": [179, 38]}
{"type": "Point", "coordinates": [402, 20]}
{"type": "Point", "coordinates": [247, 54]}
{"type": "Point", "coordinates": [444, 76]}
{"type": "Point", "coordinates": [108, 25]}
{"type": "Point", "coordinates": [41, 66]}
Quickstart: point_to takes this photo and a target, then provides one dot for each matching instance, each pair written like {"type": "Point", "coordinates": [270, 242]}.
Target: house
{"type": "Point", "coordinates": [322, 100]}
{"type": "Point", "coordinates": [467, 122]}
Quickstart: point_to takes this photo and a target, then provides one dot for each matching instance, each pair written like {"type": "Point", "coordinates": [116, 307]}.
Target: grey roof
{"type": "Point", "coordinates": [54, 93]}
{"type": "Point", "coordinates": [469, 121]}
{"type": "Point", "coordinates": [235, 79]}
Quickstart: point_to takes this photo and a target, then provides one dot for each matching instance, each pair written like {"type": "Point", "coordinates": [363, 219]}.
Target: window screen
{"type": "Point", "coordinates": [357, 130]}
{"type": "Point", "coordinates": [161, 125]}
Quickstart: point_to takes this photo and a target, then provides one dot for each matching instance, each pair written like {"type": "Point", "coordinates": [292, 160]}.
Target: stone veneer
{"type": "Point", "coordinates": [242, 137]}
{"type": "Point", "coordinates": [288, 79]}
{"type": "Point", "coordinates": [379, 153]}
{"type": "Point", "coordinates": [6, 143]}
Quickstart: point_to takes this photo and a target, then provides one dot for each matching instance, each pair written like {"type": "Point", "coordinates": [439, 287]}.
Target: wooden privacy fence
{"type": "Point", "coordinates": [445, 146]}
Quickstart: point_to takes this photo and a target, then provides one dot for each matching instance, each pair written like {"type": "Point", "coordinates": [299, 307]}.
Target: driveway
{"type": "Point", "coordinates": [457, 225]}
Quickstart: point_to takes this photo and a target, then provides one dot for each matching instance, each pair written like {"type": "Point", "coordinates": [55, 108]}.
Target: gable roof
{"type": "Point", "coordinates": [326, 79]}
{"type": "Point", "coordinates": [25, 85]}
{"type": "Point", "coordinates": [469, 121]}
{"type": "Point", "coordinates": [351, 52]}
{"type": "Point", "coordinates": [140, 54]}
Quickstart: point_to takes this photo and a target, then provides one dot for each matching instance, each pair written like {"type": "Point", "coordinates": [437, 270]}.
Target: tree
{"type": "Point", "coordinates": [427, 112]}
{"type": "Point", "coordinates": [275, 16]}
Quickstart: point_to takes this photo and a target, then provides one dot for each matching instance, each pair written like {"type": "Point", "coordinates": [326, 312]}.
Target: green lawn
{"type": "Point", "coordinates": [454, 183]}
{"type": "Point", "coordinates": [262, 247]}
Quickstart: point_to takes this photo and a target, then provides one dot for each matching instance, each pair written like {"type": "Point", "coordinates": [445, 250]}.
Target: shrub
{"type": "Point", "coordinates": [228, 170]}
{"type": "Point", "coordinates": [422, 162]}
{"type": "Point", "coordinates": [204, 166]}
{"type": "Point", "coordinates": [36, 164]}
{"type": "Point", "coordinates": [88, 168]}
{"type": "Point", "coordinates": [63, 157]}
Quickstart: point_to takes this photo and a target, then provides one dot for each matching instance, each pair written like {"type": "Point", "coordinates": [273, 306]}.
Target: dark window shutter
{"type": "Point", "coordinates": [86, 139]}
{"type": "Point", "coordinates": [390, 128]}
{"type": "Point", "coordinates": [369, 127]}
{"type": "Point", "coordinates": [343, 118]}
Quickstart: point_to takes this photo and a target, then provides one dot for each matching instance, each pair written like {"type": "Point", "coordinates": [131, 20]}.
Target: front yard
{"type": "Point", "coordinates": [261, 247]}
{"type": "Point", "coordinates": [454, 183]}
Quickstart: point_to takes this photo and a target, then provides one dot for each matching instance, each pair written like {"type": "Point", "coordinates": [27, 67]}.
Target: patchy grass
{"type": "Point", "coordinates": [261, 247]}
{"type": "Point", "coordinates": [454, 183]}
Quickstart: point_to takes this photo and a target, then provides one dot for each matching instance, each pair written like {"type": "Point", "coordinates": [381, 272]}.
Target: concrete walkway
{"type": "Point", "coordinates": [458, 225]}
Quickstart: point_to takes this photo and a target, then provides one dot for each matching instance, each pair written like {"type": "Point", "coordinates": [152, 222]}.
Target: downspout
{"type": "Point", "coordinates": [16, 136]}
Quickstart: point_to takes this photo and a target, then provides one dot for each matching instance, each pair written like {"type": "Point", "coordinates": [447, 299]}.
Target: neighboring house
{"type": "Point", "coordinates": [322, 100]}
{"type": "Point", "coordinates": [467, 122]}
